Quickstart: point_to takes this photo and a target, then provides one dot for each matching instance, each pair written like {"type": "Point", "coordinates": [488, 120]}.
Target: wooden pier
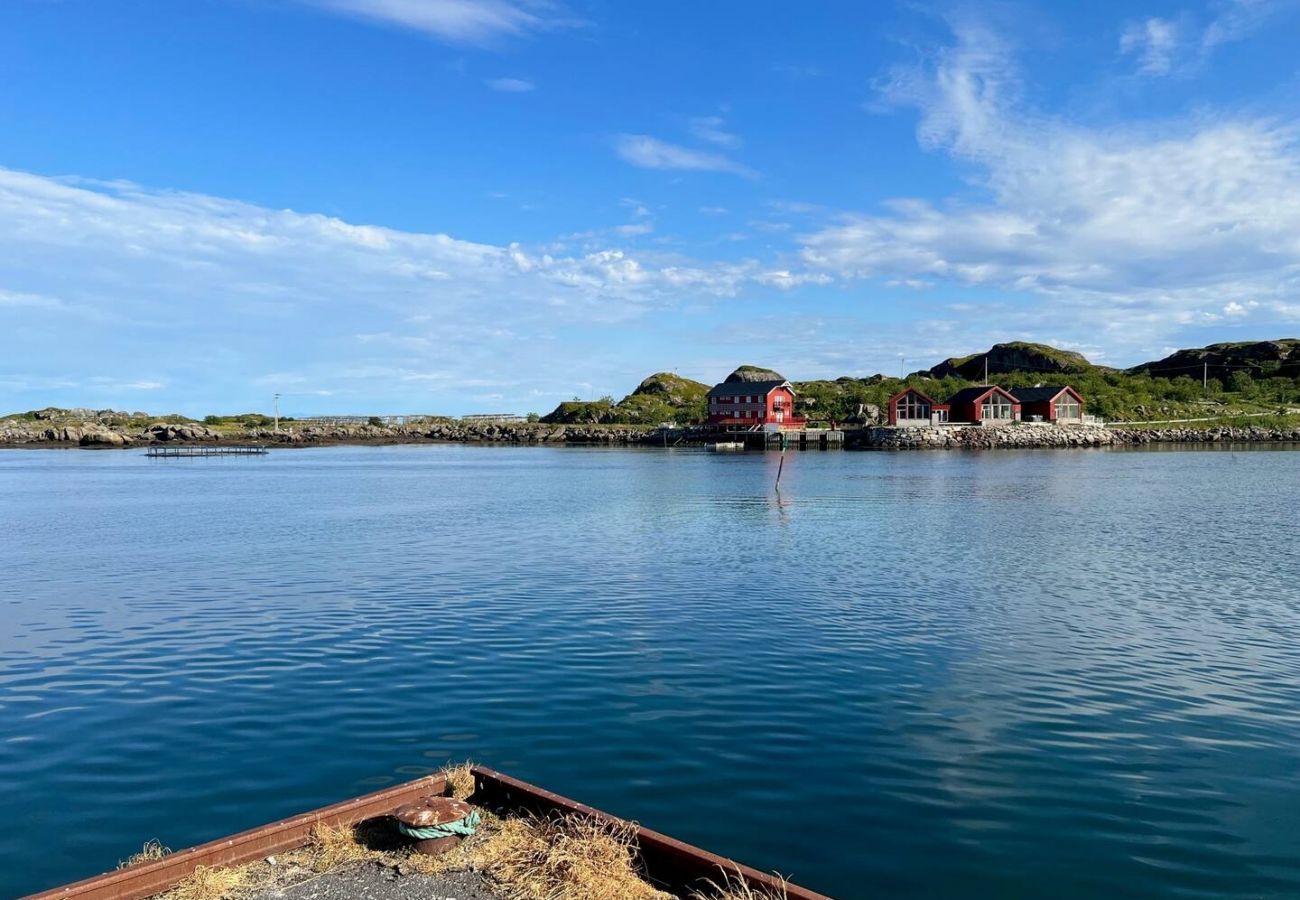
{"type": "Point", "coordinates": [188, 452]}
{"type": "Point", "coordinates": [806, 439]}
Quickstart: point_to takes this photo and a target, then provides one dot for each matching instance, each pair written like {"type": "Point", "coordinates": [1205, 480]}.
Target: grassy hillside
{"type": "Point", "coordinates": [663, 397]}
{"type": "Point", "coordinates": [1261, 360]}
{"type": "Point", "coordinates": [1014, 356]}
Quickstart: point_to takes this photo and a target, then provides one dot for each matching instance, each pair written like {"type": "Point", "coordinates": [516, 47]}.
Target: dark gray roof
{"type": "Point", "coordinates": [966, 395]}
{"type": "Point", "coordinates": [1036, 394]}
{"type": "Point", "coordinates": [745, 388]}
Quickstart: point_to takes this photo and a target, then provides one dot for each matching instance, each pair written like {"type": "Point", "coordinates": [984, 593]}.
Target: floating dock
{"type": "Point", "coordinates": [191, 451]}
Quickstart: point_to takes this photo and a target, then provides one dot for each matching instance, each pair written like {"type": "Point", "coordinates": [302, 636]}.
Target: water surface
{"type": "Point", "coordinates": [1008, 674]}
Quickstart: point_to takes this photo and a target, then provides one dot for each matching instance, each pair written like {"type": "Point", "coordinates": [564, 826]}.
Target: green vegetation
{"type": "Point", "coordinates": [1255, 420]}
{"type": "Point", "coordinates": [1113, 395]}
{"type": "Point", "coordinates": [1262, 360]}
{"type": "Point", "coordinates": [1015, 356]}
{"type": "Point", "coordinates": [663, 397]}
{"type": "Point", "coordinates": [245, 420]}
{"type": "Point", "coordinates": [1245, 380]}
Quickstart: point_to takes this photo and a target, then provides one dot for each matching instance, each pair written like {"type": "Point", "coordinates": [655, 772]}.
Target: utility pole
{"type": "Point", "coordinates": [1205, 378]}
{"type": "Point", "coordinates": [901, 360]}
{"type": "Point", "coordinates": [277, 412]}
{"type": "Point", "coordinates": [986, 368]}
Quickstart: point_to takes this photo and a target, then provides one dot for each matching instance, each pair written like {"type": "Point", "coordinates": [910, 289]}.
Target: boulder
{"type": "Point", "coordinates": [103, 439]}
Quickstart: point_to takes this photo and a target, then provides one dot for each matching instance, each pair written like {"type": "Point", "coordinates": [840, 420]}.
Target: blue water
{"type": "Point", "coordinates": [1000, 675]}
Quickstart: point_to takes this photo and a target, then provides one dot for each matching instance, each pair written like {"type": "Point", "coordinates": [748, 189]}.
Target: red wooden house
{"type": "Point", "coordinates": [911, 407]}
{"type": "Point", "coordinates": [1061, 405]}
{"type": "Point", "coordinates": [753, 405]}
{"type": "Point", "coordinates": [986, 404]}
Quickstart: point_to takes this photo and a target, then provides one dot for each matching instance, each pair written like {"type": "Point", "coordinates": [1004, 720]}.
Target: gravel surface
{"type": "Point", "coordinates": [375, 882]}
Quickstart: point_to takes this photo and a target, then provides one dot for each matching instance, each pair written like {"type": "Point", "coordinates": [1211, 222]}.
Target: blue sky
{"type": "Point", "coordinates": [397, 206]}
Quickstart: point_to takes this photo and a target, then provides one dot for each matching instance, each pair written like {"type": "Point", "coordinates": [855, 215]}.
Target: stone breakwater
{"type": "Point", "coordinates": [958, 437]}
{"type": "Point", "coordinates": [1223, 435]}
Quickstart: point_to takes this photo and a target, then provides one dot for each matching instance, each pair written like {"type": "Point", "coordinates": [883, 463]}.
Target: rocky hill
{"type": "Point", "coordinates": [662, 397]}
{"type": "Point", "coordinates": [1015, 356]}
{"type": "Point", "coordinates": [1260, 359]}
{"type": "Point", "coordinates": [744, 374]}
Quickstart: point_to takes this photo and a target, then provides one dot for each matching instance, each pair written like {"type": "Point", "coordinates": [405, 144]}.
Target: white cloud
{"type": "Point", "coordinates": [1139, 228]}
{"type": "Point", "coordinates": [511, 85]}
{"type": "Point", "coordinates": [711, 129]}
{"type": "Point", "coordinates": [459, 21]}
{"type": "Point", "coordinates": [213, 294]}
{"type": "Point", "coordinates": [1180, 45]}
{"type": "Point", "coordinates": [651, 153]}
{"type": "Point", "coordinates": [1237, 20]}
{"type": "Point", "coordinates": [635, 228]}
{"type": "Point", "coordinates": [1154, 42]}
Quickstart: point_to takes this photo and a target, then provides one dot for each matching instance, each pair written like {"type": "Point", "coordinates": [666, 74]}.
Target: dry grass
{"type": "Point", "coordinates": [575, 858]}
{"type": "Point", "coordinates": [734, 887]}
{"type": "Point", "coordinates": [152, 851]}
{"type": "Point", "coordinates": [460, 780]}
{"type": "Point", "coordinates": [333, 845]}
{"type": "Point", "coordinates": [211, 884]}
{"type": "Point", "coordinates": [571, 858]}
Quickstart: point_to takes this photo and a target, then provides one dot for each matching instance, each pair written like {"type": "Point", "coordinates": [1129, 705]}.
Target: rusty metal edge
{"type": "Point", "coordinates": [146, 880]}
{"type": "Point", "coordinates": [696, 863]}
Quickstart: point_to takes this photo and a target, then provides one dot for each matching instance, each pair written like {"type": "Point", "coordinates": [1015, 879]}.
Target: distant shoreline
{"type": "Point", "coordinates": [90, 435]}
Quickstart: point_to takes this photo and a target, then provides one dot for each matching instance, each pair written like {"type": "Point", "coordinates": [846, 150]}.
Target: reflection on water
{"type": "Point", "coordinates": [994, 675]}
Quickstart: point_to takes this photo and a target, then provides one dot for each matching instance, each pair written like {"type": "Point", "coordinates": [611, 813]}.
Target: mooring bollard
{"type": "Point", "coordinates": [436, 824]}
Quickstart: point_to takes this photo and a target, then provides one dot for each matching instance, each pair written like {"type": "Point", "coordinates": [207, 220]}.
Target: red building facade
{"type": "Point", "coordinates": [985, 404]}
{"type": "Point", "coordinates": [912, 407]}
{"type": "Point", "coordinates": [752, 405]}
{"type": "Point", "coordinates": [1059, 405]}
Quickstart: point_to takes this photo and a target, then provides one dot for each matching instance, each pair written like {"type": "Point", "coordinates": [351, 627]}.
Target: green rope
{"type": "Point", "coordinates": [460, 828]}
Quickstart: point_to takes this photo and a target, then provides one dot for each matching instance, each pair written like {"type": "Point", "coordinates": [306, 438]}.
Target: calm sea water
{"type": "Point", "coordinates": [934, 674]}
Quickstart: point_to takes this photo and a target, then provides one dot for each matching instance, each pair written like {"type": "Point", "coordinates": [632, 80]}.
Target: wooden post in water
{"type": "Point", "coordinates": [780, 466]}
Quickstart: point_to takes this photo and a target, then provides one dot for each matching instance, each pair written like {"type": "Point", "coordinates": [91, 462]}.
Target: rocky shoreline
{"type": "Point", "coordinates": [99, 435]}
{"type": "Point", "coordinates": [1049, 436]}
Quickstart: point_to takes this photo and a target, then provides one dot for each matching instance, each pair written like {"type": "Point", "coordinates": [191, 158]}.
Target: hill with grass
{"type": "Point", "coordinates": [662, 397]}
{"type": "Point", "coordinates": [1260, 359]}
{"type": "Point", "coordinates": [1015, 356]}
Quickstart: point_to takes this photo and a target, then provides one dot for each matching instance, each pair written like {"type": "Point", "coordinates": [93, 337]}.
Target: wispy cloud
{"type": "Point", "coordinates": [1182, 44]}
{"type": "Point", "coordinates": [1140, 229]}
{"type": "Point", "coordinates": [457, 21]}
{"type": "Point", "coordinates": [1154, 42]}
{"type": "Point", "coordinates": [713, 130]}
{"type": "Point", "coordinates": [648, 152]}
{"type": "Point", "coordinates": [511, 85]}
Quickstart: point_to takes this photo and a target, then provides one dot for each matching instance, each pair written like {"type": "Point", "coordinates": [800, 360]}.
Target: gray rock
{"type": "Point", "coordinates": [103, 439]}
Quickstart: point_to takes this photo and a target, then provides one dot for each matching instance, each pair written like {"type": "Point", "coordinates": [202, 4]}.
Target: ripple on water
{"type": "Point", "coordinates": [973, 674]}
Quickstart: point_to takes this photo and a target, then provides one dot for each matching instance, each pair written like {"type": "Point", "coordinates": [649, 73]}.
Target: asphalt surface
{"type": "Point", "coordinates": [375, 882]}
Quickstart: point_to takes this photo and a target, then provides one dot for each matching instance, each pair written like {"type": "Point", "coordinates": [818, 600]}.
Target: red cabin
{"type": "Point", "coordinates": [984, 405]}
{"type": "Point", "coordinates": [1060, 405]}
{"type": "Point", "coordinates": [753, 405]}
{"type": "Point", "coordinates": [911, 407]}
